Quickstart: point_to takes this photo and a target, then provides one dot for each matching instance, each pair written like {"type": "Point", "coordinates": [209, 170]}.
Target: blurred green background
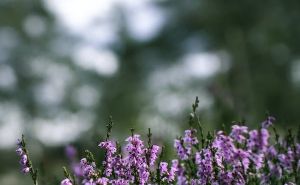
{"type": "Point", "coordinates": [65, 66]}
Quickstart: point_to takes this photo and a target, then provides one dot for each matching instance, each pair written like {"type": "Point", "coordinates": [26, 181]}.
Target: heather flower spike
{"type": "Point", "coordinates": [25, 162]}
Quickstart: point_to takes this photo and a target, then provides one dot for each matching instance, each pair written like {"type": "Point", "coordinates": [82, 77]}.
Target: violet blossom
{"type": "Point", "coordinates": [66, 182]}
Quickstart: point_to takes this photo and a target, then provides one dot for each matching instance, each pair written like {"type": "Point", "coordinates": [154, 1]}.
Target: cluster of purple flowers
{"type": "Point", "coordinates": [134, 165]}
{"type": "Point", "coordinates": [168, 175]}
{"type": "Point", "coordinates": [242, 156]}
{"type": "Point", "coordinates": [26, 165]}
{"type": "Point", "coordinates": [184, 145]}
{"type": "Point", "coordinates": [21, 151]}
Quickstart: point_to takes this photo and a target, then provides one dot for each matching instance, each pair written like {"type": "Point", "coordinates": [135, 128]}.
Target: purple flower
{"type": "Point", "coordinates": [173, 170]}
{"type": "Point", "coordinates": [120, 182]}
{"type": "Point", "coordinates": [258, 140]}
{"type": "Point", "coordinates": [205, 165]}
{"type": "Point", "coordinates": [271, 152]}
{"type": "Point", "coordinates": [153, 154]}
{"type": "Point", "coordinates": [109, 146]}
{"type": "Point", "coordinates": [143, 176]}
{"type": "Point", "coordinates": [66, 182]}
{"type": "Point", "coordinates": [70, 152]}
{"type": "Point", "coordinates": [24, 159]}
{"type": "Point", "coordinates": [189, 137]}
{"type": "Point", "coordinates": [244, 157]}
{"type": "Point", "coordinates": [136, 160]}
{"type": "Point", "coordinates": [182, 153]}
{"type": "Point", "coordinates": [135, 149]}
{"type": "Point", "coordinates": [226, 177]}
{"type": "Point", "coordinates": [25, 165]}
{"type": "Point", "coordinates": [195, 181]}
{"type": "Point", "coordinates": [163, 168]}
{"type": "Point", "coordinates": [19, 151]}
{"type": "Point", "coordinates": [87, 169]}
{"type": "Point", "coordinates": [275, 170]}
{"type": "Point", "coordinates": [181, 179]}
{"type": "Point", "coordinates": [166, 175]}
{"type": "Point", "coordinates": [258, 160]}
{"type": "Point", "coordinates": [111, 149]}
{"type": "Point", "coordinates": [237, 133]}
{"type": "Point", "coordinates": [135, 145]}
{"type": "Point", "coordinates": [268, 122]}
{"type": "Point", "coordinates": [102, 181]}
{"type": "Point", "coordinates": [225, 146]}
{"type": "Point", "coordinates": [76, 167]}
{"type": "Point", "coordinates": [286, 160]}
{"type": "Point", "coordinates": [88, 182]}
{"type": "Point", "coordinates": [25, 170]}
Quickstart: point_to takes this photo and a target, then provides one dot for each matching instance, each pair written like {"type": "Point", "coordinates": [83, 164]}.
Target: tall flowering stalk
{"type": "Point", "coordinates": [25, 162]}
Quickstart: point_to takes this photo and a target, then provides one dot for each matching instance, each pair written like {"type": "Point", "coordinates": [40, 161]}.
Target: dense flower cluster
{"type": "Point", "coordinates": [134, 166]}
{"type": "Point", "coordinates": [241, 157]}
